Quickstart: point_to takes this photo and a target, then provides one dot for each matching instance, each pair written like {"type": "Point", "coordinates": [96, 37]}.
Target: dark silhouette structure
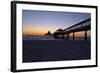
{"type": "Point", "coordinates": [81, 26]}
{"type": "Point", "coordinates": [48, 33]}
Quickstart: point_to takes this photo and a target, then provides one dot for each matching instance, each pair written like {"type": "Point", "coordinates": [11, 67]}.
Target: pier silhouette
{"type": "Point", "coordinates": [84, 25]}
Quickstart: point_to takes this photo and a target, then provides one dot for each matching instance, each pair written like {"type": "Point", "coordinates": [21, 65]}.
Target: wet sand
{"type": "Point", "coordinates": [55, 50]}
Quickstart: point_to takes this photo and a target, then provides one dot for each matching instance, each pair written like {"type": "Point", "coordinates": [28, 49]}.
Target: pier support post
{"type": "Point", "coordinates": [68, 36]}
{"type": "Point", "coordinates": [73, 35]}
{"type": "Point", "coordinates": [63, 36]}
{"type": "Point", "coordinates": [85, 38]}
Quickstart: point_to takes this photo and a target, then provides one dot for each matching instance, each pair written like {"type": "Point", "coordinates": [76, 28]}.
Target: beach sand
{"type": "Point", "coordinates": [55, 50]}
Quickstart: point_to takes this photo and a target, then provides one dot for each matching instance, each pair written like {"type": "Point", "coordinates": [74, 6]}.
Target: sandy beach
{"type": "Point", "coordinates": [55, 50]}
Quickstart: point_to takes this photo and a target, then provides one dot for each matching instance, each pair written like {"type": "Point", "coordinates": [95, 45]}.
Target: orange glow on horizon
{"type": "Point", "coordinates": [80, 34]}
{"type": "Point", "coordinates": [28, 30]}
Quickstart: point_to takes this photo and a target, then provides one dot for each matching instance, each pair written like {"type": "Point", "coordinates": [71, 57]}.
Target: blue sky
{"type": "Point", "coordinates": [51, 20]}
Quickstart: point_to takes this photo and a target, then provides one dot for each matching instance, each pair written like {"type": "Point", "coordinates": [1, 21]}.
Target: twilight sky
{"type": "Point", "coordinates": [40, 22]}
